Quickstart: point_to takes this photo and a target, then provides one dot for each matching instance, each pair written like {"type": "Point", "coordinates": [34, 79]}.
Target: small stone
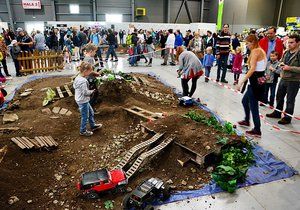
{"type": "Point", "coordinates": [183, 182]}
{"type": "Point", "coordinates": [50, 194]}
{"type": "Point", "coordinates": [56, 110]}
{"type": "Point", "coordinates": [28, 90]}
{"type": "Point", "coordinates": [58, 177]}
{"type": "Point", "coordinates": [7, 118]}
{"type": "Point", "coordinates": [69, 113]}
{"type": "Point", "coordinates": [55, 201]}
{"type": "Point", "coordinates": [173, 187]}
{"type": "Point", "coordinates": [210, 169]}
{"type": "Point", "coordinates": [63, 111]}
{"type": "Point", "coordinates": [13, 199]}
{"type": "Point", "coordinates": [169, 181]}
{"type": "Point", "coordinates": [207, 147]}
{"type": "Point", "coordinates": [129, 189]}
{"type": "Point", "coordinates": [24, 94]}
{"type": "Point", "coordinates": [193, 170]}
{"type": "Point", "coordinates": [190, 187]}
{"type": "Point", "coordinates": [29, 201]}
{"type": "Point", "coordinates": [46, 111]}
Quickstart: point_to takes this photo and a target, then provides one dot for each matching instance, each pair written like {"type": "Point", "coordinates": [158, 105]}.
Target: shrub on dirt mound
{"type": "Point", "coordinates": [115, 91]}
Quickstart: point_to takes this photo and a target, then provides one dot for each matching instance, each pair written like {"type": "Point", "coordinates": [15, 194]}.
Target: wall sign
{"type": "Point", "coordinates": [31, 4]}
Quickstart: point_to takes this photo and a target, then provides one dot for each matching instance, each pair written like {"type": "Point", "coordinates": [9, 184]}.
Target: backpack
{"type": "Point", "coordinates": [128, 39]}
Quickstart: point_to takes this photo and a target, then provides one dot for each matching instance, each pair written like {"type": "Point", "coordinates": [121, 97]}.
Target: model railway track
{"type": "Point", "coordinates": [137, 164]}
{"type": "Point", "coordinates": [137, 148]}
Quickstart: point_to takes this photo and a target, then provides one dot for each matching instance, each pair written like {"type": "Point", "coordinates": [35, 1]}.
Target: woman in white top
{"type": "Point", "coordinates": [257, 62]}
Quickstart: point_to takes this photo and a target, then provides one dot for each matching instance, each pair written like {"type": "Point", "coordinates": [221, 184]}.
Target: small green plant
{"type": "Point", "coordinates": [50, 94]}
{"type": "Point", "coordinates": [222, 140]}
{"type": "Point", "coordinates": [234, 164]}
{"type": "Point", "coordinates": [108, 204]}
{"type": "Point", "coordinates": [228, 128]}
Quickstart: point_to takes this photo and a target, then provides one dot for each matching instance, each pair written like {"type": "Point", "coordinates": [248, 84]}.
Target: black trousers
{"type": "Point", "coordinates": [185, 86]}
{"type": "Point", "coordinates": [4, 67]}
{"type": "Point", "coordinates": [17, 66]}
{"type": "Point", "coordinates": [290, 90]}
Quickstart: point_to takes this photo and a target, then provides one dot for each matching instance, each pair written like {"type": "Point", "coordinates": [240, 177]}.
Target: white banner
{"type": "Point", "coordinates": [31, 4]}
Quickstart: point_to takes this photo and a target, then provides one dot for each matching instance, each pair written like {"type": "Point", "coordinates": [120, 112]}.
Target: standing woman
{"type": "Point", "coordinates": [255, 91]}
{"type": "Point", "coordinates": [150, 47]}
{"type": "Point", "coordinates": [190, 67]}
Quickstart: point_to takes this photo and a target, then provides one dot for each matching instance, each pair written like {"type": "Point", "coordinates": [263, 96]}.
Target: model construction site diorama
{"type": "Point", "coordinates": [151, 144]}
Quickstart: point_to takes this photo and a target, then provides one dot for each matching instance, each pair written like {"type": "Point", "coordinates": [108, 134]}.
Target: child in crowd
{"type": "Point", "coordinates": [208, 62]}
{"type": "Point", "coordinates": [90, 51]}
{"type": "Point", "coordinates": [237, 65]}
{"type": "Point", "coordinates": [82, 98]}
{"type": "Point", "coordinates": [272, 73]}
{"type": "Point", "coordinates": [67, 57]}
{"type": "Point", "coordinates": [14, 52]}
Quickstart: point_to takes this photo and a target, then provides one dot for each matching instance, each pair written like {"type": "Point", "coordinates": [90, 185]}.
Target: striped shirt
{"type": "Point", "coordinates": [223, 44]}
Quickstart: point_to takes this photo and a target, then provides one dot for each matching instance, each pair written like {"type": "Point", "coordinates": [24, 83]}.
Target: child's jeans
{"type": "Point", "coordinates": [272, 88]}
{"type": "Point", "coordinates": [207, 71]}
{"type": "Point", "coordinates": [87, 113]}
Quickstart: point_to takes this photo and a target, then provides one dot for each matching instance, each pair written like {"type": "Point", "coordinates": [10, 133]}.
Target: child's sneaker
{"type": "Point", "coordinates": [86, 133]}
{"type": "Point", "coordinates": [97, 126]}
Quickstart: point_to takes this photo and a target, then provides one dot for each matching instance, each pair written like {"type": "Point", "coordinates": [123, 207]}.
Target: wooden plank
{"type": "Point", "coordinates": [28, 142]}
{"type": "Point", "coordinates": [47, 141]}
{"type": "Point", "coordinates": [136, 80]}
{"type": "Point", "coordinates": [35, 143]}
{"type": "Point", "coordinates": [68, 90]}
{"type": "Point", "coordinates": [18, 143]}
{"type": "Point", "coordinates": [144, 80]}
{"type": "Point", "coordinates": [59, 92]}
{"type": "Point", "coordinates": [41, 144]}
{"type": "Point", "coordinates": [22, 142]}
{"type": "Point", "coordinates": [52, 139]}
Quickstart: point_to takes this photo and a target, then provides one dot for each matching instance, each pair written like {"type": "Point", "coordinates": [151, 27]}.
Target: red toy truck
{"type": "Point", "coordinates": [92, 183]}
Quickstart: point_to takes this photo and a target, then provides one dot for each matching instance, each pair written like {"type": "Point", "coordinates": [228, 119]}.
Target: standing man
{"type": "Point", "coordinates": [271, 43]}
{"type": "Point", "coordinates": [112, 43]}
{"type": "Point", "coordinates": [209, 40]}
{"type": "Point", "coordinates": [188, 37]}
{"type": "Point", "coordinates": [290, 80]}
{"type": "Point", "coordinates": [39, 41]}
{"type": "Point", "coordinates": [223, 49]}
{"type": "Point", "coordinates": [121, 36]}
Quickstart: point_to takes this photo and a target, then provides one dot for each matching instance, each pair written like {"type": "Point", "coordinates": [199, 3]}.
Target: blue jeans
{"type": "Point", "coordinates": [251, 103]}
{"type": "Point", "coordinates": [111, 50]}
{"type": "Point", "coordinates": [207, 71]}
{"type": "Point", "coordinates": [272, 88]}
{"type": "Point", "coordinates": [222, 66]}
{"type": "Point", "coordinates": [87, 113]}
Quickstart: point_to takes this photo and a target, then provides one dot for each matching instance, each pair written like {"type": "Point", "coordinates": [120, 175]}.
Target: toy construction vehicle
{"type": "Point", "coordinates": [149, 191]}
{"type": "Point", "coordinates": [95, 182]}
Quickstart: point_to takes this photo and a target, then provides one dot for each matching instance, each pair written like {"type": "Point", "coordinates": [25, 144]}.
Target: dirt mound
{"type": "Point", "coordinates": [115, 91]}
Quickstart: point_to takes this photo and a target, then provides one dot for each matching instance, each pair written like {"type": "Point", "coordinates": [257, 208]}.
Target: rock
{"type": "Point", "coordinates": [173, 187]}
{"type": "Point", "coordinates": [56, 110]}
{"type": "Point", "coordinates": [46, 111]}
{"type": "Point", "coordinates": [24, 94]}
{"type": "Point", "coordinates": [50, 194]}
{"type": "Point", "coordinates": [28, 90]}
{"type": "Point", "coordinates": [13, 199]}
{"type": "Point", "coordinates": [63, 111]}
{"type": "Point", "coordinates": [129, 189]}
{"type": "Point", "coordinates": [69, 113]}
{"type": "Point", "coordinates": [169, 181]}
{"type": "Point", "coordinates": [183, 182]}
{"type": "Point", "coordinates": [29, 201]}
{"type": "Point", "coordinates": [193, 170]}
{"type": "Point", "coordinates": [207, 147]}
{"type": "Point", "coordinates": [55, 201]}
{"type": "Point", "coordinates": [210, 169]}
{"type": "Point", "coordinates": [7, 118]}
{"type": "Point", "coordinates": [191, 187]}
{"type": "Point", "coordinates": [58, 177]}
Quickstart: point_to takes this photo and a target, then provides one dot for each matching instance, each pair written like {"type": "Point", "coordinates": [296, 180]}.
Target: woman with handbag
{"type": "Point", "coordinates": [255, 91]}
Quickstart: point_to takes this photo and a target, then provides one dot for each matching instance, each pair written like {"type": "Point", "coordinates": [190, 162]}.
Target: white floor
{"type": "Point", "coordinates": [282, 194]}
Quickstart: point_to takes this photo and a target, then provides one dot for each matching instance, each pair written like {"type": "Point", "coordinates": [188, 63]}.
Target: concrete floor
{"type": "Point", "coordinates": [282, 194]}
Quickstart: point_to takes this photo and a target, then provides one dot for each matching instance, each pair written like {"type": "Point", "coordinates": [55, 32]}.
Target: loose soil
{"type": "Point", "coordinates": [31, 175]}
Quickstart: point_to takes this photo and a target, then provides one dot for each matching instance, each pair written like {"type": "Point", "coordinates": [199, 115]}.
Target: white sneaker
{"type": "Point", "coordinates": [86, 133]}
{"type": "Point", "coordinates": [97, 126]}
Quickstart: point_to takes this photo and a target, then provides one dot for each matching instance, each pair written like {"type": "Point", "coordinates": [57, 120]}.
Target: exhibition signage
{"type": "Point", "coordinates": [31, 4]}
{"type": "Point", "coordinates": [220, 14]}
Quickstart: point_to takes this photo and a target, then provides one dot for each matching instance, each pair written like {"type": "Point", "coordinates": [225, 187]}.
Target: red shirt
{"type": "Point", "coordinates": [264, 42]}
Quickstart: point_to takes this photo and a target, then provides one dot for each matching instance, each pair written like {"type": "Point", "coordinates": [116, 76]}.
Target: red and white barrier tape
{"type": "Point", "coordinates": [275, 127]}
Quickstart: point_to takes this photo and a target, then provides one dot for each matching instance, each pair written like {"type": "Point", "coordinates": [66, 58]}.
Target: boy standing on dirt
{"type": "Point", "coordinates": [82, 98]}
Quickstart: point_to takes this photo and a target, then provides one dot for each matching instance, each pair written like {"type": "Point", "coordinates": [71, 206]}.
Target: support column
{"type": "Point", "coordinates": [168, 11]}
{"type": "Point", "coordinates": [202, 10]}
{"type": "Point", "coordinates": [279, 13]}
{"type": "Point", "coordinates": [53, 9]}
{"type": "Point", "coordinates": [132, 10]}
{"type": "Point", "coordinates": [94, 11]}
{"type": "Point", "coordinates": [10, 16]}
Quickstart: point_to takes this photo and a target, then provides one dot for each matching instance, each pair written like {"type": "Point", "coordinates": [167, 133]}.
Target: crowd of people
{"type": "Point", "coordinates": [265, 58]}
